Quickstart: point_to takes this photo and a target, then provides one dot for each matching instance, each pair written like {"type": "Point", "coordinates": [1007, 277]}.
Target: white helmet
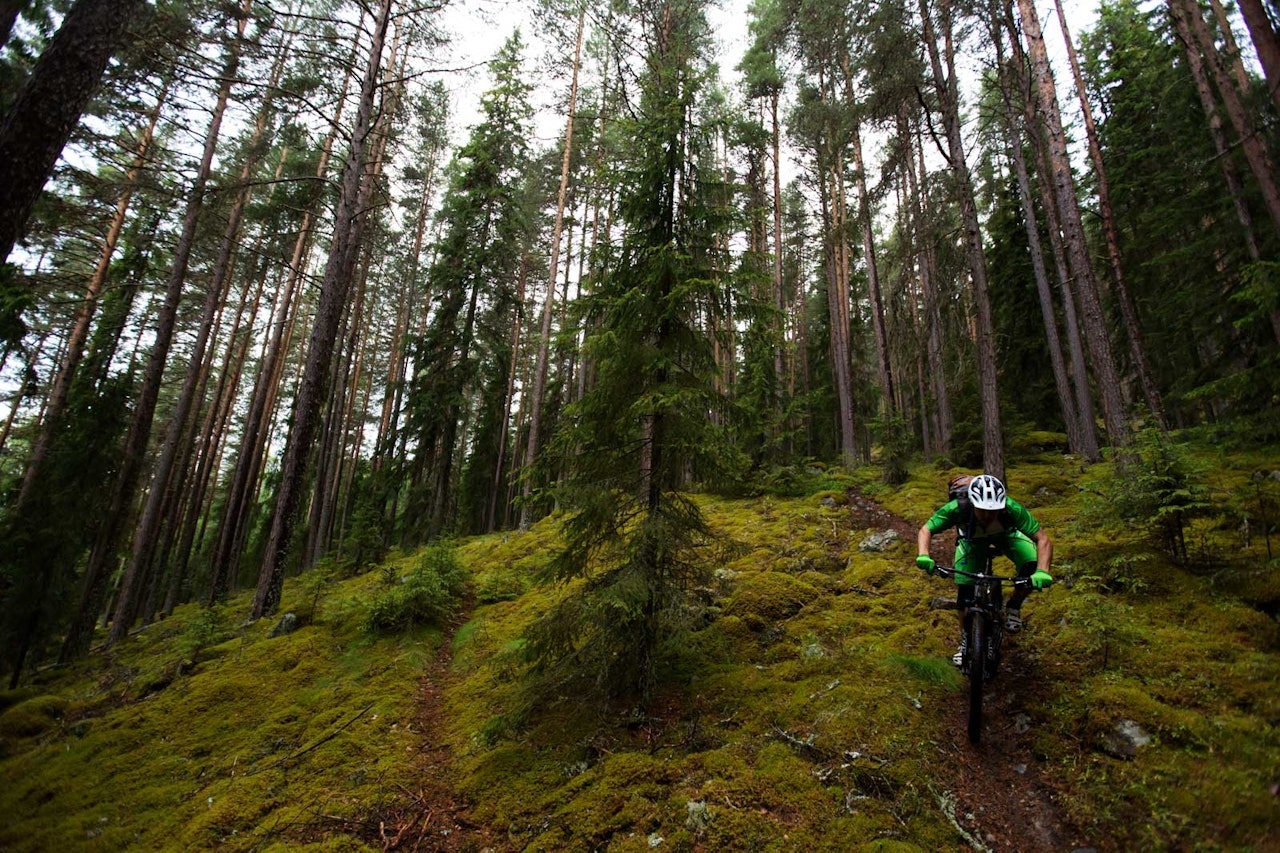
{"type": "Point", "coordinates": [986, 492]}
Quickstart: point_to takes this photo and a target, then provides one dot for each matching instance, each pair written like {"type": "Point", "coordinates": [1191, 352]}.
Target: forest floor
{"type": "Point", "coordinates": [1002, 801]}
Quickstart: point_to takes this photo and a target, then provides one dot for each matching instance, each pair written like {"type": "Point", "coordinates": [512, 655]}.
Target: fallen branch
{"type": "Point", "coordinates": [330, 736]}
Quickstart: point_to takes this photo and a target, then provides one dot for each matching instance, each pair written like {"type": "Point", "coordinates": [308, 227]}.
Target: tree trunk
{"type": "Point", "coordinates": [1080, 439]}
{"type": "Point", "coordinates": [47, 109]}
{"type": "Point", "coordinates": [57, 397]}
{"type": "Point", "coordinates": [496, 486]}
{"type": "Point", "coordinates": [145, 537]}
{"type": "Point", "coordinates": [1266, 42]}
{"type": "Point", "coordinates": [232, 531]}
{"type": "Point", "coordinates": [928, 288]}
{"type": "Point", "coordinates": [97, 571]}
{"type": "Point", "coordinates": [1128, 311]}
{"type": "Point", "coordinates": [1196, 38]}
{"type": "Point", "coordinates": [948, 102]}
{"type": "Point", "coordinates": [544, 343]}
{"type": "Point", "coordinates": [779, 299]}
{"type": "Point", "coordinates": [333, 298]}
{"type": "Point", "coordinates": [884, 372]}
{"type": "Point", "coordinates": [1073, 230]}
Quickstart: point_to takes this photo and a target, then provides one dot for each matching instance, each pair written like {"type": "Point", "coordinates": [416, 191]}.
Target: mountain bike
{"type": "Point", "coordinates": [984, 632]}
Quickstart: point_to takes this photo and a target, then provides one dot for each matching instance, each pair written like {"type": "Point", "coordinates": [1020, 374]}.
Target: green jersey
{"type": "Point", "coordinates": [1014, 516]}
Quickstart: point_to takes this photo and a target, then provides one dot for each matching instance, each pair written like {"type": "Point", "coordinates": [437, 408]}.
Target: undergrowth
{"type": "Point", "coordinates": [812, 707]}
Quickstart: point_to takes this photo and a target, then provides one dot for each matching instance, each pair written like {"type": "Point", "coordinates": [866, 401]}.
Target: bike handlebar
{"type": "Point", "coordinates": [951, 571]}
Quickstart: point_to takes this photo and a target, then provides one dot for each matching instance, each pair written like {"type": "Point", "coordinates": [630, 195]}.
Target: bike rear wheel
{"type": "Point", "coordinates": [977, 675]}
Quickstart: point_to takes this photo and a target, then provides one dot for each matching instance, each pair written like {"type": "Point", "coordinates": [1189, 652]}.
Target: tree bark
{"type": "Point", "coordinates": [1128, 311]}
{"type": "Point", "coordinates": [929, 292]}
{"type": "Point", "coordinates": [1266, 42]}
{"type": "Point", "coordinates": [145, 536]}
{"type": "Point", "coordinates": [1096, 334]}
{"type": "Point", "coordinates": [47, 109]}
{"type": "Point", "coordinates": [97, 571]}
{"type": "Point", "coordinates": [83, 321]}
{"type": "Point", "coordinates": [948, 102]}
{"type": "Point", "coordinates": [544, 344]}
{"type": "Point", "coordinates": [232, 531]}
{"type": "Point", "coordinates": [1196, 38]}
{"type": "Point", "coordinates": [1070, 414]}
{"type": "Point", "coordinates": [333, 297]}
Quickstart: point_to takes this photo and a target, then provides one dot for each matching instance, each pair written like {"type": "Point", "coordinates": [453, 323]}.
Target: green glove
{"type": "Point", "coordinates": [1041, 580]}
{"type": "Point", "coordinates": [925, 562]}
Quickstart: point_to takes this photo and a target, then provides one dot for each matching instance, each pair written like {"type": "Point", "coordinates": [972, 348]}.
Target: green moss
{"type": "Point", "coordinates": [811, 707]}
{"type": "Point", "coordinates": [32, 717]}
{"type": "Point", "coordinates": [767, 597]}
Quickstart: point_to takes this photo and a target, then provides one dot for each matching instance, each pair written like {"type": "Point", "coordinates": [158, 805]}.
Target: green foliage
{"type": "Point", "coordinates": [428, 594]}
{"type": "Point", "coordinates": [201, 632]}
{"type": "Point", "coordinates": [1160, 490]}
{"type": "Point", "coordinates": [634, 541]}
{"type": "Point", "coordinates": [897, 445]}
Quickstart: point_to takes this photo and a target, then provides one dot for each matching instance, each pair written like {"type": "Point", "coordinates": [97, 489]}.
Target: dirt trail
{"type": "Point", "coordinates": [437, 818]}
{"type": "Point", "coordinates": [1001, 800]}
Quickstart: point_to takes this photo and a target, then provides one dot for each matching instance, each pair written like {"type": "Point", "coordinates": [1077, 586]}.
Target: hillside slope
{"type": "Point", "coordinates": [813, 708]}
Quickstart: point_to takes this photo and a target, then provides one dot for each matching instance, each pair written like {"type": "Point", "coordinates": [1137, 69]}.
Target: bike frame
{"type": "Point", "coordinates": [983, 623]}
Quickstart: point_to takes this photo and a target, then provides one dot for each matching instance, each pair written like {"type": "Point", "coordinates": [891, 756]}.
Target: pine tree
{"type": "Point", "coordinates": [631, 534]}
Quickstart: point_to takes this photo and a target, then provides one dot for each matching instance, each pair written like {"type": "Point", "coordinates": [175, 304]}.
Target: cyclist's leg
{"type": "Point", "coordinates": [964, 590]}
{"type": "Point", "coordinates": [1021, 551]}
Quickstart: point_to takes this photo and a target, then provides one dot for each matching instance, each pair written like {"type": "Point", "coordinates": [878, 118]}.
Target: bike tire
{"type": "Point", "coordinates": [977, 675]}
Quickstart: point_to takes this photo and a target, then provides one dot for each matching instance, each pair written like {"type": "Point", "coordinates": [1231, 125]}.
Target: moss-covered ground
{"type": "Point", "coordinates": [814, 710]}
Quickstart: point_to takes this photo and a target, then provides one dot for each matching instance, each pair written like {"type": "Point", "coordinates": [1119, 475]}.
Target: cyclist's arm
{"type": "Point", "coordinates": [1027, 524]}
{"type": "Point", "coordinates": [942, 519]}
{"type": "Point", "coordinates": [923, 537]}
{"type": "Point", "coordinates": [1044, 550]}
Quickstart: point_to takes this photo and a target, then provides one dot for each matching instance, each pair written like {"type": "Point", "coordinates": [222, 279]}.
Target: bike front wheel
{"type": "Point", "coordinates": [978, 640]}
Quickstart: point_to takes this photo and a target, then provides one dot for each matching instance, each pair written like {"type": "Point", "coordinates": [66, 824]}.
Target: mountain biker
{"type": "Point", "coordinates": [983, 515]}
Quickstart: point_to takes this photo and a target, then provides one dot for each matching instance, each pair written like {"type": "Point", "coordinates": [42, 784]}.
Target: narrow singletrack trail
{"type": "Point", "coordinates": [994, 792]}
{"type": "Point", "coordinates": [436, 817]}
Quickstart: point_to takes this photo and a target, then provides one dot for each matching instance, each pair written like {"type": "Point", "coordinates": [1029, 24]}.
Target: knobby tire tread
{"type": "Point", "coordinates": [977, 675]}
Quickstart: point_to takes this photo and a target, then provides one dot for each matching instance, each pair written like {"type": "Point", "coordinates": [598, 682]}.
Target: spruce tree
{"type": "Point", "coordinates": [632, 535]}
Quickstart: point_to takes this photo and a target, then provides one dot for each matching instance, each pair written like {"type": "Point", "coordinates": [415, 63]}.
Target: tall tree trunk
{"type": "Point", "coordinates": [948, 102]}
{"type": "Point", "coordinates": [1077, 439]}
{"type": "Point", "coordinates": [41, 118]}
{"type": "Point", "coordinates": [544, 343]}
{"type": "Point", "coordinates": [496, 486]}
{"type": "Point", "coordinates": [83, 321]}
{"type": "Point", "coordinates": [145, 536]}
{"type": "Point", "coordinates": [884, 372]}
{"type": "Point", "coordinates": [98, 569]}
{"type": "Point", "coordinates": [1266, 42]}
{"type": "Point", "coordinates": [333, 298]}
{"type": "Point", "coordinates": [1128, 311]}
{"type": "Point", "coordinates": [929, 288]}
{"type": "Point", "coordinates": [1073, 230]}
{"type": "Point", "coordinates": [779, 299]}
{"type": "Point", "coordinates": [1196, 38]}
{"type": "Point", "coordinates": [232, 531]}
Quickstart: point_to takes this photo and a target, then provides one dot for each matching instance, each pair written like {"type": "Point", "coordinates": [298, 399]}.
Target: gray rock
{"type": "Point", "coordinates": [287, 625]}
{"type": "Point", "coordinates": [881, 541]}
{"type": "Point", "coordinates": [1125, 739]}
